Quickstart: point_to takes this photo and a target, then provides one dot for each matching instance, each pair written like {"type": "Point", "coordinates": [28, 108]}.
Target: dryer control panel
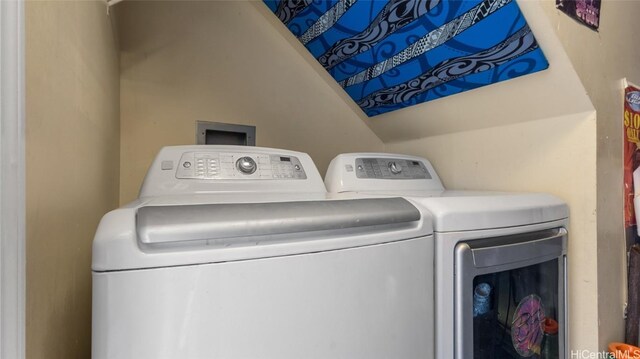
{"type": "Point", "coordinates": [227, 165]}
{"type": "Point", "coordinates": [391, 168]}
{"type": "Point", "coordinates": [381, 173]}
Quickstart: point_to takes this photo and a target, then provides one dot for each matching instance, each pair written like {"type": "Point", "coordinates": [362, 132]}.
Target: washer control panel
{"type": "Point", "coordinates": [390, 168]}
{"type": "Point", "coordinates": [227, 165]}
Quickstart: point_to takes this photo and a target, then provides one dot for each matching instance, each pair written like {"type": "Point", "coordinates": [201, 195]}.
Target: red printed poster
{"type": "Point", "coordinates": [631, 159]}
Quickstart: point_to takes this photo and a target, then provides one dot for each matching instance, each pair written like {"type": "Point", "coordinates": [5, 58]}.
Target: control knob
{"type": "Point", "coordinates": [394, 168]}
{"type": "Point", "coordinates": [246, 165]}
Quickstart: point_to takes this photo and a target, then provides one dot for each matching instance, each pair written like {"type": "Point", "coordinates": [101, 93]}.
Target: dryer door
{"type": "Point", "coordinates": [510, 297]}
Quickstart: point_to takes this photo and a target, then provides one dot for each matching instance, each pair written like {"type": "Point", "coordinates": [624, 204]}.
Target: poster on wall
{"type": "Point", "coordinates": [586, 12]}
{"type": "Point", "coordinates": [631, 120]}
{"type": "Point", "coordinates": [389, 54]}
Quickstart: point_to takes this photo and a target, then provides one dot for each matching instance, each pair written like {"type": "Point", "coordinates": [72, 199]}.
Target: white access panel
{"type": "Point", "coordinates": [357, 303]}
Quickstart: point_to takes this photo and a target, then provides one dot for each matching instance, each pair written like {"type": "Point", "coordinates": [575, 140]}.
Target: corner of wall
{"type": "Point", "coordinates": [72, 159]}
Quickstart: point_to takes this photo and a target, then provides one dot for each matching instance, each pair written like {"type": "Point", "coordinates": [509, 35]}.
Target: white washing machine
{"type": "Point", "coordinates": [500, 257]}
{"type": "Point", "coordinates": [235, 252]}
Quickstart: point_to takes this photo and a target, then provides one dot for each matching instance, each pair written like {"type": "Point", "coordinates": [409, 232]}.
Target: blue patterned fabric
{"type": "Point", "coordinates": [390, 54]}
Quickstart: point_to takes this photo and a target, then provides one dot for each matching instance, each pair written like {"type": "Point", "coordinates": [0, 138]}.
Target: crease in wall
{"type": "Point", "coordinates": [602, 59]}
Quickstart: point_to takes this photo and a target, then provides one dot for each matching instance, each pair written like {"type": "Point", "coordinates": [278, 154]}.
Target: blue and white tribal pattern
{"type": "Point", "coordinates": [390, 54]}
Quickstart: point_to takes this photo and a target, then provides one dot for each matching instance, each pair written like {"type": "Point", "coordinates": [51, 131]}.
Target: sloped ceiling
{"type": "Point", "coordinates": [554, 92]}
{"type": "Point", "coordinates": [396, 53]}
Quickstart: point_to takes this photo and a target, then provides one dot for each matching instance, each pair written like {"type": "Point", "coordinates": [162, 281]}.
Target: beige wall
{"type": "Point", "coordinates": [72, 167]}
{"type": "Point", "coordinates": [553, 155]}
{"type": "Point", "coordinates": [228, 62]}
{"type": "Point", "coordinates": [602, 59]}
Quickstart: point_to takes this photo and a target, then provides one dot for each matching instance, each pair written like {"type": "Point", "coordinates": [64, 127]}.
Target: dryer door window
{"type": "Point", "coordinates": [510, 298]}
{"type": "Point", "coordinates": [515, 313]}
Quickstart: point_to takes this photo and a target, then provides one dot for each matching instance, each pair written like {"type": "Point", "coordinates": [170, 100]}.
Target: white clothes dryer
{"type": "Point", "coordinates": [500, 257]}
{"type": "Point", "coordinates": [235, 252]}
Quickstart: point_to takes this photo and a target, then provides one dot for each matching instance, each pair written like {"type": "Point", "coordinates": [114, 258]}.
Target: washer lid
{"type": "Point", "coordinates": [149, 235]}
